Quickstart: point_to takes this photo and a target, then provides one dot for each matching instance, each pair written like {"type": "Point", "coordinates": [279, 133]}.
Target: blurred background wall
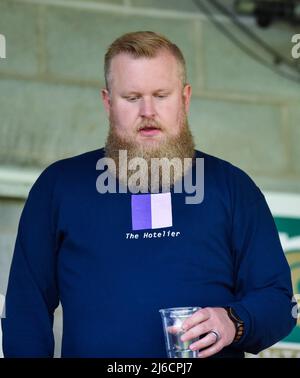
{"type": "Point", "coordinates": [51, 78]}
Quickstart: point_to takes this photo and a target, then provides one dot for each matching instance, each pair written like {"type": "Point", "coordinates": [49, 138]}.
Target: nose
{"type": "Point", "coordinates": [147, 108]}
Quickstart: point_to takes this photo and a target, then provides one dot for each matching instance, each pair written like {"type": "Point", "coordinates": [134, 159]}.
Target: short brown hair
{"type": "Point", "coordinates": [142, 44]}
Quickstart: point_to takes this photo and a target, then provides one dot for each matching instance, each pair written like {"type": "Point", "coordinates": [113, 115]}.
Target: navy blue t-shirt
{"type": "Point", "coordinates": [114, 260]}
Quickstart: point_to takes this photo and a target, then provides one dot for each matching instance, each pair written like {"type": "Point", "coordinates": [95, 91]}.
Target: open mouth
{"type": "Point", "coordinates": [149, 131]}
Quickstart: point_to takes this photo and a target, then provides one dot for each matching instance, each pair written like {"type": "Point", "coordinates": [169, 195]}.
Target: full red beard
{"type": "Point", "coordinates": [167, 146]}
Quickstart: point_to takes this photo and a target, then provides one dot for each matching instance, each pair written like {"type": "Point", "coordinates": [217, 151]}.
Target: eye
{"type": "Point", "coordinates": [161, 96]}
{"type": "Point", "coordinates": [132, 98]}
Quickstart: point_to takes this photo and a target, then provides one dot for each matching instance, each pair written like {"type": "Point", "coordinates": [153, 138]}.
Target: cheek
{"type": "Point", "coordinates": [124, 117]}
{"type": "Point", "coordinates": [172, 115]}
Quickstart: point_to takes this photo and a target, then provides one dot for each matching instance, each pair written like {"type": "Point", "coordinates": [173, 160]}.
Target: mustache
{"type": "Point", "coordinates": [149, 124]}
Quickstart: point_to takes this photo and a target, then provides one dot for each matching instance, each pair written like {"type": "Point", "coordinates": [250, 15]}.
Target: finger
{"type": "Point", "coordinates": [174, 329]}
{"type": "Point", "coordinates": [196, 331]}
{"type": "Point", "coordinates": [198, 317]}
{"type": "Point", "coordinates": [205, 342]}
{"type": "Point", "coordinates": [215, 348]}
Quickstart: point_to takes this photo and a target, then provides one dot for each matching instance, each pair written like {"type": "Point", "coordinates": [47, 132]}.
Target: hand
{"type": "Point", "coordinates": [204, 321]}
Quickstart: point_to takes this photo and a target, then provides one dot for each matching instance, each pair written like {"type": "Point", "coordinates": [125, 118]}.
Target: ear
{"type": "Point", "coordinates": [106, 100]}
{"type": "Point", "coordinates": [187, 93]}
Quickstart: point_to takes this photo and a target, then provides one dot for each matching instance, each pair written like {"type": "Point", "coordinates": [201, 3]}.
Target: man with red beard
{"type": "Point", "coordinates": [147, 101]}
{"type": "Point", "coordinates": [74, 242]}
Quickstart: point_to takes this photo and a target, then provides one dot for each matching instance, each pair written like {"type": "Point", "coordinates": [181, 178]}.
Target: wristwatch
{"type": "Point", "coordinates": [238, 323]}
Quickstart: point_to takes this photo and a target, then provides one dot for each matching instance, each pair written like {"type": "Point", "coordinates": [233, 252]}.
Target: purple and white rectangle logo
{"type": "Point", "coordinates": [151, 211]}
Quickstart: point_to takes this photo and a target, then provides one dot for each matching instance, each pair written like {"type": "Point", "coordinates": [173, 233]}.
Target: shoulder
{"type": "Point", "coordinates": [67, 169]}
{"type": "Point", "coordinates": [77, 162]}
{"type": "Point", "coordinates": [230, 179]}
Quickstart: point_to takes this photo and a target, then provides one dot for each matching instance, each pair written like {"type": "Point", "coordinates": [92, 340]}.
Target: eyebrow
{"type": "Point", "coordinates": [134, 93]}
{"type": "Point", "coordinates": [125, 94]}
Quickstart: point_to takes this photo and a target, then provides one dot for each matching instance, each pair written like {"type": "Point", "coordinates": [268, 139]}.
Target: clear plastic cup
{"type": "Point", "coordinates": [172, 319]}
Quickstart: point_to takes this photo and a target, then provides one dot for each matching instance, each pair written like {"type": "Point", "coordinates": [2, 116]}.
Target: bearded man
{"type": "Point", "coordinates": [96, 253]}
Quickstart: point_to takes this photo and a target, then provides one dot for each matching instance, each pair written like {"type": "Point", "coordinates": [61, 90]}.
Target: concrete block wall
{"type": "Point", "coordinates": [50, 83]}
{"type": "Point", "coordinates": [51, 79]}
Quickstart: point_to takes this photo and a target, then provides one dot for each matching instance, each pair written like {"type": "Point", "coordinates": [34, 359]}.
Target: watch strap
{"type": "Point", "coordinates": [238, 323]}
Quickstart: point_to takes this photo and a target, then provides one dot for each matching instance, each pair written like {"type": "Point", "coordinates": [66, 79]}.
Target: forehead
{"type": "Point", "coordinates": [163, 69]}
